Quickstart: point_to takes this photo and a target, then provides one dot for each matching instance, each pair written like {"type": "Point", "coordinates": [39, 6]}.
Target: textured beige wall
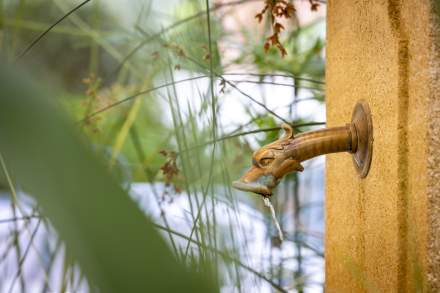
{"type": "Point", "coordinates": [383, 232]}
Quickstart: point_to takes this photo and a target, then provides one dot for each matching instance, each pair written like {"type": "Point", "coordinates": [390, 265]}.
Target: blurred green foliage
{"type": "Point", "coordinates": [118, 84]}
{"type": "Point", "coordinates": [102, 227]}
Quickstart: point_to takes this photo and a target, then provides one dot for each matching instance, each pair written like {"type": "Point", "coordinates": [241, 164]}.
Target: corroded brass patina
{"type": "Point", "coordinates": [273, 161]}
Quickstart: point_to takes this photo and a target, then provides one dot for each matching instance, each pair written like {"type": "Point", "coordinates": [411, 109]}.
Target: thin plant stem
{"type": "Point", "coordinates": [23, 258]}
{"type": "Point", "coordinates": [227, 257]}
{"type": "Point", "coordinates": [147, 91]}
{"type": "Point", "coordinates": [231, 136]}
{"type": "Point", "coordinates": [34, 42]}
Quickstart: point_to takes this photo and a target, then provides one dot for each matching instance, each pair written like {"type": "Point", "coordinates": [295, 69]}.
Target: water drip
{"type": "Point", "coordinates": [268, 204]}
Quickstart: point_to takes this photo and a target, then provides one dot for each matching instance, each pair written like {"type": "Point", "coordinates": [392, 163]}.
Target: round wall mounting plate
{"type": "Point", "coordinates": [363, 123]}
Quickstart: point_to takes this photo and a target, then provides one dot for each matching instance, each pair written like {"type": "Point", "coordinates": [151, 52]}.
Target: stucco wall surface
{"type": "Point", "coordinates": [383, 232]}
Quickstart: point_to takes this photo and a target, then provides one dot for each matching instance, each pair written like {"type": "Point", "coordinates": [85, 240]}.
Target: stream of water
{"type": "Point", "coordinates": [269, 205]}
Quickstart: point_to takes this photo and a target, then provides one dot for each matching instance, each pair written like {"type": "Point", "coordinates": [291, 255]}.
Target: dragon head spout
{"type": "Point", "coordinates": [269, 165]}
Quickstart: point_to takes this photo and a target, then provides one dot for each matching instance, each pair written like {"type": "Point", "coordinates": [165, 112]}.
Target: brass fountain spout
{"type": "Point", "coordinates": [273, 161]}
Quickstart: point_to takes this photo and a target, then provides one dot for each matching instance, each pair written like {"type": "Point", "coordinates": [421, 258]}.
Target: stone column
{"type": "Point", "coordinates": [383, 232]}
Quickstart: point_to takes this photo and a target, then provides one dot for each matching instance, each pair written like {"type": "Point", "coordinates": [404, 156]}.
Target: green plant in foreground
{"type": "Point", "coordinates": [103, 229]}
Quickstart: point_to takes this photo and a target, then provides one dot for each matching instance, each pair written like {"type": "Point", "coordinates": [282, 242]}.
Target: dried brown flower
{"type": "Point", "coordinates": [176, 48]}
{"type": "Point", "coordinates": [93, 84]}
{"type": "Point", "coordinates": [169, 169]}
{"type": "Point", "coordinates": [222, 86]}
{"type": "Point", "coordinates": [278, 9]}
{"type": "Point", "coordinates": [155, 55]}
{"type": "Point", "coordinates": [314, 5]}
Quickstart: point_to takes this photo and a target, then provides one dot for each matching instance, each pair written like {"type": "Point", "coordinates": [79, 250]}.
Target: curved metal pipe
{"type": "Point", "coordinates": [273, 161]}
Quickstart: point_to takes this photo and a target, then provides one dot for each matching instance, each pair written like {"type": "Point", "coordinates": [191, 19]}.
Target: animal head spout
{"type": "Point", "coordinates": [269, 165]}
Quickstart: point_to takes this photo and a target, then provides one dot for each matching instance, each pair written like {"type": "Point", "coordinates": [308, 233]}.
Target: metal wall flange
{"type": "Point", "coordinates": [363, 123]}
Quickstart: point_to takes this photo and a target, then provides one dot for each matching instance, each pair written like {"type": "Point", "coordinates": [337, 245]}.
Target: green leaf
{"type": "Point", "coordinates": [103, 229]}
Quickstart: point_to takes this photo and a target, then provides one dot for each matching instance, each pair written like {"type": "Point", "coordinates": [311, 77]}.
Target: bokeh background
{"type": "Point", "coordinates": [174, 96]}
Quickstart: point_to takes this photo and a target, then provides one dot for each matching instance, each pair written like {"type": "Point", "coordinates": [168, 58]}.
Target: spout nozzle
{"type": "Point", "coordinates": [254, 187]}
{"type": "Point", "coordinates": [262, 184]}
